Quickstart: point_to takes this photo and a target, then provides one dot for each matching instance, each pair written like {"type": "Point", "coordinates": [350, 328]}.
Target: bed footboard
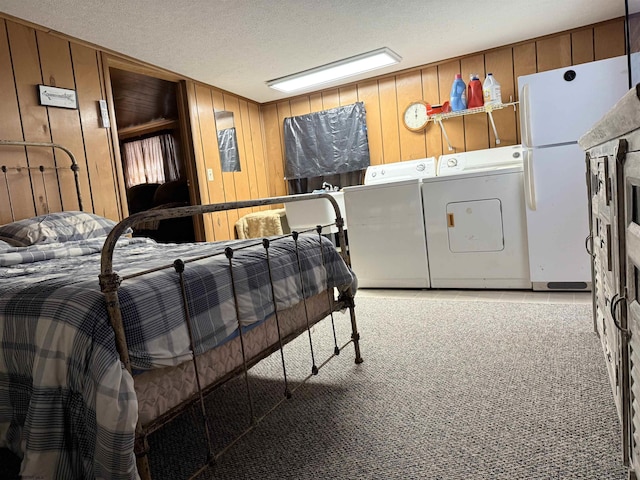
{"type": "Point", "coordinates": [110, 282]}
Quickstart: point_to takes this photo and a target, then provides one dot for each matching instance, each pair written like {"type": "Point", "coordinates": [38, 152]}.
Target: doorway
{"type": "Point", "coordinates": [152, 145]}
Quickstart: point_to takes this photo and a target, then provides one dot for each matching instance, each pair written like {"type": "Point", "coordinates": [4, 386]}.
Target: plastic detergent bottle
{"type": "Point", "coordinates": [458, 98]}
{"type": "Point", "coordinates": [475, 97]}
{"type": "Point", "coordinates": [491, 90]}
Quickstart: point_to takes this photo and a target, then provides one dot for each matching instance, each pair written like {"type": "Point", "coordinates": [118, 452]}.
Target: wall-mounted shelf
{"type": "Point", "coordinates": [488, 109]}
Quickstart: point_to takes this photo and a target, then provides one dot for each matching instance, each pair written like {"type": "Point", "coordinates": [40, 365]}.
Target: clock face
{"type": "Point", "coordinates": [415, 116]}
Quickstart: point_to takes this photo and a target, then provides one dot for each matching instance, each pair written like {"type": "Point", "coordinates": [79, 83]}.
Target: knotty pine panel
{"type": "Point", "coordinates": [16, 186]}
{"type": "Point", "coordinates": [96, 140]}
{"type": "Point", "coordinates": [300, 106]}
{"type": "Point", "coordinates": [409, 89]}
{"type": "Point", "coordinates": [241, 178]}
{"type": "Point", "coordinates": [35, 120]}
{"type": "Point", "coordinates": [315, 102]}
{"type": "Point", "coordinates": [258, 152]}
{"type": "Point", "coordinates": [476, 127]}
{"type": "Point", "coordinates": [369, 96]}
{"type": "Point", "coordinates": [582, 46]}
{"type": "Point", "coordinates": [273, 149]}
{"type": "Point", "coordinates": [36, 58]}
{"type": "Point", "coordinates": [391, 123]}
{"type": "Point", "coordinates": [453, 126]}
{"type": "Point", "coordinates": [284, 111]}
{"type": "Point", "coordinates": [609, 40]}
{"type": "Point", "coordinates": [524, 63]}
{"type": "Point", "coordinates": [500, 63]}
{"type": "Point", "coordinates": [348, 95]}
{"type": "Point", "coordinates": [222, 223]}
{"type": "Point", "coordinates": [554, 52]}
{"type": "Point", "coordinates": [330, 99]}
{"type": "Point", "coordinates": [431, 94]}
{"type": "Point", "coordinates": [64, 123]}
{"type": "Point", "coordinates": [250, 166]}
{"type": "Point", "coordinates": [194, 112]}
{"type": "Point", "coordinates": [228, 178]}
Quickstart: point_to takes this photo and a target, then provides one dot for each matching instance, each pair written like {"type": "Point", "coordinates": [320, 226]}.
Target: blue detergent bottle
{"type": "Point", "coordinates": [458, 97]}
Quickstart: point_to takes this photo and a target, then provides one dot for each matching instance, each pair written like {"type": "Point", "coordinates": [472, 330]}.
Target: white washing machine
{"type": "Point", "coordinates": [475, 220]}
{"type": "Point", "coordinates": [387, 241]}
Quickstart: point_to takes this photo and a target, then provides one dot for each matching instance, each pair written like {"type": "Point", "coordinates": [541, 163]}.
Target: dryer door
{"type": "Point", "coordinates": [475, 226]}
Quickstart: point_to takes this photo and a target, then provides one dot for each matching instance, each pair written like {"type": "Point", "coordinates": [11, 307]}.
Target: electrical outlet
{"type": "Point", "coordinates": [210, 174]}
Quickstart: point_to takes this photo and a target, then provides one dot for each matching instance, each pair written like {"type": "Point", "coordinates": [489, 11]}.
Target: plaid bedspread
{"type": "Point", "coordinates": [66, 403]}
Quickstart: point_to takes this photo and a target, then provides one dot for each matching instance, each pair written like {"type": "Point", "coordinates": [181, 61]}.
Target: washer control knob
{"type": "Point", "coordinates": [420, 167]}
{"type": "Point", "coordinates": [452, 162]}
{"type": "Point", "coordinates": [373, 174]}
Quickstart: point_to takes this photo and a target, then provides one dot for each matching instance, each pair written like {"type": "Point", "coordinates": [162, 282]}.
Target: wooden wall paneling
{"type": "Point", "coordinates": [57, 70]}
{"type": "Point", "coordinates": [273, 149]}
{"type": "Point", "coordinates": [241, 178]}
{"type": "Point", "coordinates": [199, 159]}
{"type": "Point", "coordinates": [35, 121]}
{"type": "Point", "coordinates": [191, 158]}
{"type": "Point", "coordinates": [390, 120]}
{"type": "Point", "coordinates": [500, 64]}
{"type": "Point", "coordinates": [582, 46]}
{"type": "Point", "coordinates": [524, 63]}
{"type": "Point", "coordinates": [454, 126]}
{"type": "Point", "coordinates": [300, 106]}
{"type": "Point", "coordinates": [222, 224]}
{"type": "Point", "coordinates": [18, 182]}
{"type": "Point", "coordinates": [315, 102]}
{"type": "Point", "coordinates": [228, 178]}
{"type": "Point", "coordinates": [409, 89]}
{"type": "Point", "coordinates": [431, 95]}
{"type": "Point", "coordinates": [284, 111]}
{"type": "Point", "coordinates": [348, 95]}
{"type": "Point", "coordinates": [114, 144]}
{"type": "Point", "coordinates": [368, 94]}
{"type": "Point", "coordinates": [476, 127]}
{"type": "Point", "coordinates": [330, 99]}
{"type": "Point", "coordinates": [258, 152]}
{"type": "Point", "coordinates": [609, 40]}
{"type": "Point", "coordinates": [96, 139]}
{"type": "Point", "coordinates": [248, 151]}
{"type": "Point", "coordinates": [553, 52]}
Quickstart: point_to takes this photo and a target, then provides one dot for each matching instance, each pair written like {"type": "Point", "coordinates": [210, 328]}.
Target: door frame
{"type": "Point", "coordinates": [186, 136]}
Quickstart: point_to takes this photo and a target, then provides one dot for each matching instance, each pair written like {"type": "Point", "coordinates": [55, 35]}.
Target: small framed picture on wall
{"type": "Point", "coordinates": [57, 97]}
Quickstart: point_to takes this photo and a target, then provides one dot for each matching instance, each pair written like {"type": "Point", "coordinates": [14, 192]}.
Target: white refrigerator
{"type": "Point", "coordinates": [556, 108]}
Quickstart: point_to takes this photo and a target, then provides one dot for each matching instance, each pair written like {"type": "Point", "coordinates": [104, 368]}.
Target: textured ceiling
{"type": "Point", "coordinates": [238, 45]}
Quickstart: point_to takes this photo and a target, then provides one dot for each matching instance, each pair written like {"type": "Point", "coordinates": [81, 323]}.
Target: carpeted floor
{"type": "Point", "coordinates": [448, 390]}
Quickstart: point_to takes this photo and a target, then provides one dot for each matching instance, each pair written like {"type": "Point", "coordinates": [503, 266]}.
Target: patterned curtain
{"type": "Point", "coordinates": [151, 160]}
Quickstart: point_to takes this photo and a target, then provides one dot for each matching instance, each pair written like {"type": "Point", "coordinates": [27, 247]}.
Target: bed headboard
{"type": "Point", "coordinates": [42, 169]}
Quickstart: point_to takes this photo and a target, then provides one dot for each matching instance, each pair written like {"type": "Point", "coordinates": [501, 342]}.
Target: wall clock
{"type": "Point", "coordinates": [415, 116]}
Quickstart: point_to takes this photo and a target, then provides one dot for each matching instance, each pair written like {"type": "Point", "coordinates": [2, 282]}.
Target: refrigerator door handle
{"type": "Point", "coordinates": [525, 118]}
{"type": "Point", "coordinates": [529, 186]}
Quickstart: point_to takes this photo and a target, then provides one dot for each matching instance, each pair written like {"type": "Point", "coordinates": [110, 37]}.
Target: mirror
{"type": "Point", "coordinates": [227, 141]}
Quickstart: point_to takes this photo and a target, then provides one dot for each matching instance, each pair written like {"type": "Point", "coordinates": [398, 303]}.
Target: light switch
{"type": "Point", "coordinates": [104, 114]}
{"type": "Point", "coordinates": [210, 174]}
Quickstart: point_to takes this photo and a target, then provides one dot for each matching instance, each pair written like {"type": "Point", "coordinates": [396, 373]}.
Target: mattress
{"type": "Point", "coordinates": [161, 390]}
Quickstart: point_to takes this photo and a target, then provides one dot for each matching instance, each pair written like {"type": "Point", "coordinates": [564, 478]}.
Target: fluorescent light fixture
{"type": "Point", "coordinates": [333, 71]}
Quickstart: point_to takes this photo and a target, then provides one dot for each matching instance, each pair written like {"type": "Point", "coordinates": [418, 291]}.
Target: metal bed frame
{"type": "Point", "coordinates": [110, 281]}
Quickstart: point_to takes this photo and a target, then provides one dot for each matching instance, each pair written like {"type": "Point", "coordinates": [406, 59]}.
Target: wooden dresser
{"type": "Point", "coordinates": [613, 181]}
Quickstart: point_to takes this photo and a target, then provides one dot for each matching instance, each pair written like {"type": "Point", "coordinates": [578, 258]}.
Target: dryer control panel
{"type": "Point", "coordinates": [398, 171]}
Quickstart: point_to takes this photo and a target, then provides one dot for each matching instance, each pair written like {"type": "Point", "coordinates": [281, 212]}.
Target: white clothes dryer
{"type": "Point", "coordinates": [475, 220]}
{"type": "Point", "coordinates": [387, 243]}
